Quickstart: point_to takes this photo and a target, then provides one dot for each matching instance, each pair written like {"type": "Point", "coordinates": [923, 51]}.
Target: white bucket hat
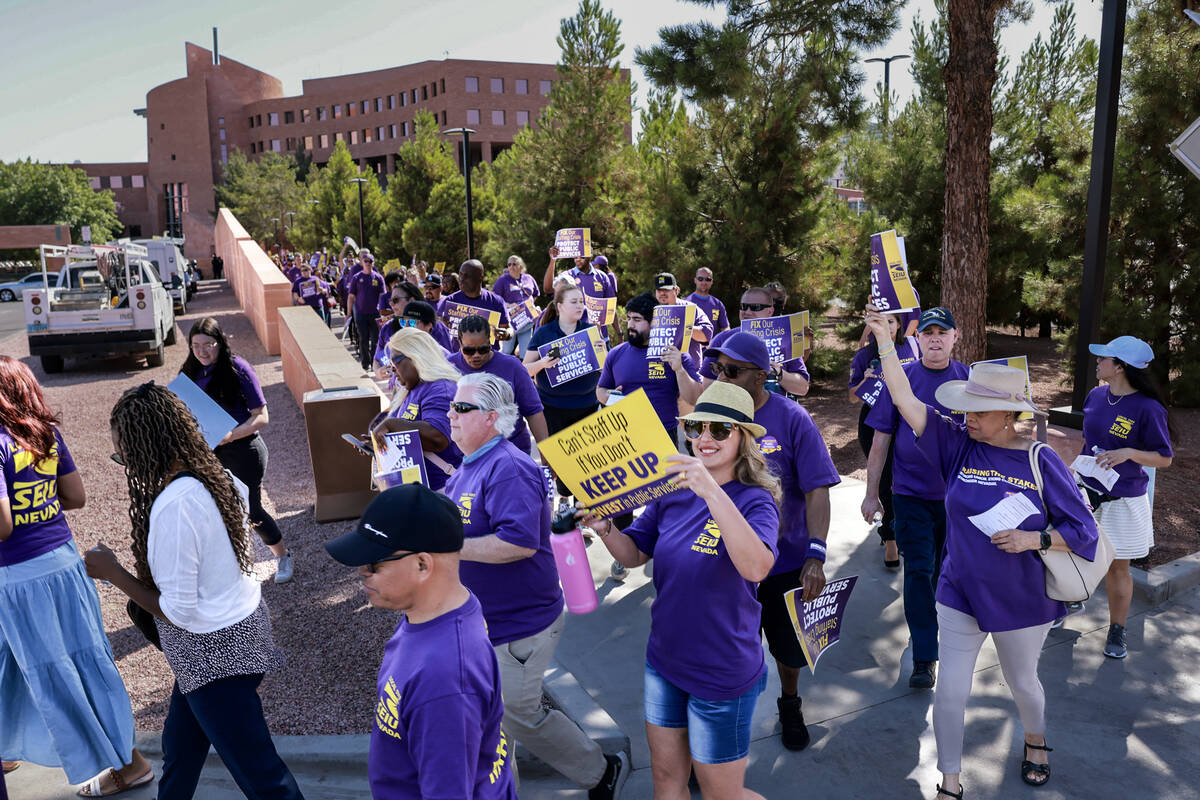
{"type": "Point", "coordinates": [989, 387]}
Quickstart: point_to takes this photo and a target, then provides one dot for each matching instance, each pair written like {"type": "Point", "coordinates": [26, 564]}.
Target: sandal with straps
{"type": "Point", "coordinates": [1035, 774]}
{"type": "Point", "coordinates": [956, 795]}
{"type": "Point", "coordinates": [92, 787]}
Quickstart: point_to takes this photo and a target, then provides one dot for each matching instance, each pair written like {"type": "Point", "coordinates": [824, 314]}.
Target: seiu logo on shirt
{"type": "Point", "coordinates": [387, 711]}
{"type": "Point", "coordinates": [35, 501]}
{"type": "Point", "coordinates": [411, 411]}
{"type": "Point", "coordinates": [1121, 427]}
{"type": "Point", "coordinates": [656, 369]}
{"type": "Point", "coordinates": [769, 444]}
{"type": "Point", "coordinates": [708, 541]}
{"type": "Point", "coordinates": [465, 502]}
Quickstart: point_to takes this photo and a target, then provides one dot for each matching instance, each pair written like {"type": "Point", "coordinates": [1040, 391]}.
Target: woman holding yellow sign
{"type": "Point", "coordinates": [712, 542]}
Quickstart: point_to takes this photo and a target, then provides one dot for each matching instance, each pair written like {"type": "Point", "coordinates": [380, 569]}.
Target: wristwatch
{"type": "Point", "coordinates": [1045, 542]}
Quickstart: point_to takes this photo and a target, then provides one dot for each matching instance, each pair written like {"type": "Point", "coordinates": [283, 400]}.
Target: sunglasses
{"type": "Point", "coordinates": [475, 351]}
{"type": "Point", "coordinates": [732, 371]}
{"type": "Point", "coordinates": [719, 431]}
{"type": "Point", "coordinates": [703, 279]}
{"type": "Point", "coordinates": [756, 306]}
{"type": "Point", "coordinates": [117, 459]}
{"type": "Point", "coordinates": [373, 567]}
{"type": "Point", "coordinates": [460, 407]}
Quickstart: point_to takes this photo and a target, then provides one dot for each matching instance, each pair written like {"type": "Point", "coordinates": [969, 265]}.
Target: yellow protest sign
{"type": "Point", "coordinates": [614, 460]}
{"type": "Point", "coordinates": [439, 267]}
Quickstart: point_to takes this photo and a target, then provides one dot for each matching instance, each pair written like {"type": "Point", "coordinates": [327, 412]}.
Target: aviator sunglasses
{"type": "Point", "coordinates": [719, 431]}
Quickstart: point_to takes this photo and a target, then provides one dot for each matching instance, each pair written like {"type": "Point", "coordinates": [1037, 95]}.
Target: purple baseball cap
{"type": "Point", "coordinates": [599, 261]}
{"type": "Point", "coordinates": [743, 346]}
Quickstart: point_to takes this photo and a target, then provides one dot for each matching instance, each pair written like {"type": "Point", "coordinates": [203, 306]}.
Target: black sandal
{"type": "Point", "coordinates": [956, 795]}
{"type": "Point", "coordinates": [1035, 774]}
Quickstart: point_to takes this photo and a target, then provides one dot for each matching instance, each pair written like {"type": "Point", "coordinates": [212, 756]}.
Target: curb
{"type": "Point", "coordinates": [1159, 584]}
{"type": "Point", "coordinates": [574, 701]}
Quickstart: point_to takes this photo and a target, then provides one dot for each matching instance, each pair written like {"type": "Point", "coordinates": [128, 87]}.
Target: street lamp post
{"type": "Point", "coordinates": [887, 79]}
{"type": "Point", "coordinates": [466, 159]}
{"type": "Point", "coordinates": [361, 238]}
{"type": "Point", "coordinates": [276, 221]}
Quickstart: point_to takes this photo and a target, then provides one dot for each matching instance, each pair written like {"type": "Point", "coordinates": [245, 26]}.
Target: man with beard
{"type": "Point", "coordinates": [665, 381]}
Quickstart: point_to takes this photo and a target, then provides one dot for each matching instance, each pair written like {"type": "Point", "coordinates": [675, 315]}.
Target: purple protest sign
{"type": "Point", "coordinates": [401, 461]}
{"type": "Point", "coordinates": [522, 315]}
{"type": "Point", "coordinates": [574, 242]}
{"type": "Point", "coordinates": [580, 353]}
{"type": "Point", "coordinates": [457, 312]}
{"type": "Point", "coordinates": [671, 326]}
{"type": "Point", "coordinates": [820, 625]}
{"type": "Point", "coordinates": [784, 336]}
{"type": "Point", "coordinates": [891, 290]}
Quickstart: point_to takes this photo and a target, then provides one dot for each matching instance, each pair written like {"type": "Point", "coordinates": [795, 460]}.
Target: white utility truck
{"type": "Point", "coordinates": [107, 300]}
{"type": "Point", "coordinates": [166, 253]}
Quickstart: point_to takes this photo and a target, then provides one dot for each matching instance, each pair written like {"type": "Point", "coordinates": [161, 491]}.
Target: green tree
{"type": "Point", "coordinates": [259, 191]}
{"type": "Point", "coordinates": [421, 164]}
{"type": "Point", "coordinates": [56, 194]}
{"type": "Point", "coordinates": [568, 170]}
{"type": "Point", "coordinates": [334, 215]}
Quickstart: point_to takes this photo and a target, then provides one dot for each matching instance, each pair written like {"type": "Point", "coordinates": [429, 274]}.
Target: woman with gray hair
{"type": "Point", "coordinates": [507, 563]}
{"type": "Point", "coordinates": [515, 286]}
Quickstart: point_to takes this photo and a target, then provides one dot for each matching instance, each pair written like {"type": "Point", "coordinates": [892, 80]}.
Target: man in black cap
{"type": "Point", "coordinates": [437, 720]}
{"type": "Point", "coordinates": [666, 291]}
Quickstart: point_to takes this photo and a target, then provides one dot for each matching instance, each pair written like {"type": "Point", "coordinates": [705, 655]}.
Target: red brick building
{"type": "Point", "coordinates": [194, 122]}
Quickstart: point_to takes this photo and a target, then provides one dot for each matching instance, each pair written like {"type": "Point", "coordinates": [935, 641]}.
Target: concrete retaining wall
{"type": "Point", "coordinates": [260, 287]}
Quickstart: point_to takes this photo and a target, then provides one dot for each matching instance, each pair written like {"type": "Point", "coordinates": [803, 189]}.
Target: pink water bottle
{"type": "Point", "coordinates": [574, 571]}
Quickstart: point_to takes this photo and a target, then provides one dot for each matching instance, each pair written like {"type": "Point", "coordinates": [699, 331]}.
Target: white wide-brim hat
{"type": "Point", "coordinates": [989, 387]}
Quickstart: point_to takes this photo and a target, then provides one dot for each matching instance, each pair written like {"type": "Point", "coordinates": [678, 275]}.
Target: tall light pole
{"type": "Point", "coordinates": [361, 238]}
{"type": "Point", "coordinates": [466, 159]}
{"type": "Point", "coordinates": [887, 79]}
{"type": "Point", "coordinates": [276, 221]}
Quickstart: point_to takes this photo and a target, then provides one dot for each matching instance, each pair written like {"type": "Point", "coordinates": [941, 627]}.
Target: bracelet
{"type": "Point", "coordinates": [816, 549]}
{"type": "Point", "coordinates": [891, 351]}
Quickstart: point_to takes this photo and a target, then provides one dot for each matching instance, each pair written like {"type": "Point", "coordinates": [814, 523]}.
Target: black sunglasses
{"type": "Point", "coordinates": [732, 371]}
{"type": "Point", "coordinates": [702, 278]}
{"type": "Point", "coordinates": [460, 407]}
{"type": "Point", "coordinates": [373, 566]}
{"type": "Point", "coordinates": [475, 351]}
{"type": "Point", "coordinates": [717, 430]}
{"type": "Point", "coordinates": [756, 306]}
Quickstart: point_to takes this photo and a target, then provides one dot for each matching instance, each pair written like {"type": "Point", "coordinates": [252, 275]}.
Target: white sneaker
{"type": "Point", "coordinates": [284, 569]}
{"type": "Point", "coordinates": [618, 571]}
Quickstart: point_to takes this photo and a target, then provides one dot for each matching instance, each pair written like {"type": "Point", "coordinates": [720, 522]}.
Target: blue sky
{"type": "Point", "coordinates": [73, 71]}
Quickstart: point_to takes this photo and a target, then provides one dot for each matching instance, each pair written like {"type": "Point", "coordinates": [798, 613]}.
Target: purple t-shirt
{"type": "Point", "coordinates": [795, 365]}
{"type": "Point", "coordinates": [292, 273]}
{"type": "Point", "coordinates": [503, 492]}
{"type": "Point", "coordinates": [912, 473]}
{"type": "Point", "coordinates": [1003, 591]}
{"type": "Point", "coordinates": [704, 623]}
{"type": "Point", "coordinates": [430, 402]}
{"type": "Point", "coordinates": [714, 308]}
{"type": "Point", "coordinates": [367, 289]}
{"type": "Point", "coordinates": [437, 720]}
{"type": "Point", "coordinates": [866, 357]}
{"type": "Point", "coordinates": [32, 491]}
{"type": "Point", "coordinates": [250, 397]}
{"type": "Point", "coordinates": [510, 370]}
{"type": "Point", "coordinates": [319, 290]}
{"type": "Point", "coordinates": [799, 457]}
{"type": "Point", "coordinates": [512, 292]}
{"type": "Point", "coordinates": [348, 274]}
{"type": "Point", "coordinates": [1133, 420]}
{"type": "Point", "coordinates": [628, 369]}
{"type": "Point", "coordinates": [487, 300]}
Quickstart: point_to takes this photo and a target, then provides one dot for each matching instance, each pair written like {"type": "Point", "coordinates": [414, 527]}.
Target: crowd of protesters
{"type": "Point", "coordinates": [466, 554]}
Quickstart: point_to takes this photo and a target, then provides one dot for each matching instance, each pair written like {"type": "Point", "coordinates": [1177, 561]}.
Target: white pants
{"type": "Point", "coordinates": [959, 640]}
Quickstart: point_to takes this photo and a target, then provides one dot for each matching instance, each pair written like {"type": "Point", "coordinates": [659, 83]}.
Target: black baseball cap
{"type": "Point", "coordinates": [420, 311]}
{"type": "Point", "coordinates": [409, 517]}
{"type": "Point", "coordinates": [433, 279]}
{"type": "Point", "coordinates": [665, 280]}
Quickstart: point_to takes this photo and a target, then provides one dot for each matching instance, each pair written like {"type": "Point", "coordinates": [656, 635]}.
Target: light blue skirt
{"type": "Point", "coordinates": [62, 701]}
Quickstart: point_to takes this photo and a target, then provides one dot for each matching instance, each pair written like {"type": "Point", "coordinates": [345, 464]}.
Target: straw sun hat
{"type": "Point", "coordinates": [724, 402]}
{"type": "Point", "coordinates": [988, 387]}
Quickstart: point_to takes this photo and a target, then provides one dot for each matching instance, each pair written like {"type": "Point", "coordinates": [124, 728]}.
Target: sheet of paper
{"type": "Point", "coordinates": [1006, 515]}
{"type": "Point", "coordinates": [1086, 465]}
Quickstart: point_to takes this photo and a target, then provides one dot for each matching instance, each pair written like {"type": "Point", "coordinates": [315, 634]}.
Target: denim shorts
{"type": "Point", "coordinates": [718, 730]}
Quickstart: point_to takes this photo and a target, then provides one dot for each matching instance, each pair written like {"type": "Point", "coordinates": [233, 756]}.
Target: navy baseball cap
{"type": "Point", "coordinates": [420, 311]}
{"type": "Point", "coordinates": [409, 517]}
{"type": "Point", "coordinates": [939, 316]}
{"type": "Point", "coordinates": [1129, 349]}
{"type": "Point", "coordinates": [742, 346]}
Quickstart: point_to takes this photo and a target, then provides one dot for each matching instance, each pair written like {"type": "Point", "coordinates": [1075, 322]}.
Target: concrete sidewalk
{"type": "Point", "coordinates": [1118, 728]}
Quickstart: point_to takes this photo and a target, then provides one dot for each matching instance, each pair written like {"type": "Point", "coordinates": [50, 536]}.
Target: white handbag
{"type": "Point", "coordinates": [1070, 578]}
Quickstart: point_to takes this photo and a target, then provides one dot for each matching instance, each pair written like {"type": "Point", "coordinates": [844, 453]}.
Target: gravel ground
{"type": "Point", "coordinates": [332, 639]}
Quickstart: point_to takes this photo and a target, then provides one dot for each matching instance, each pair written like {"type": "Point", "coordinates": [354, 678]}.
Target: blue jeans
{"type": "Point", "coordinates": [227, 714]}
{"type": "Point", "coordinates": [518, 344]}
{"type": "Point", "coordinates": [920, 527]}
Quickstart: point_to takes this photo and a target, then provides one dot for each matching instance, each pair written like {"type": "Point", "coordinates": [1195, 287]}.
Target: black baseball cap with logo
{"type": "Point", "coordinates": [411, 517]}
{"type": "Point", "coordinates": [665, 280]}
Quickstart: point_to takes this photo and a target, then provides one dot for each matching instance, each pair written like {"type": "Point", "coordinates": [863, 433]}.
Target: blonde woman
{"type": "Point", "coordinates": [711, 543]}
{"type": "Point", "coordinates": [425, 384]}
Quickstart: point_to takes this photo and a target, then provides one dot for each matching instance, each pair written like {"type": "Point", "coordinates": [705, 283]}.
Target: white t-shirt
{"type": "Point", "coordinates": [192, 560]}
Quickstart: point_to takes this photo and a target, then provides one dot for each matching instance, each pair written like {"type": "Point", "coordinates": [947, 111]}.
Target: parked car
{"type": "Point", "coordinates": [12, 290]}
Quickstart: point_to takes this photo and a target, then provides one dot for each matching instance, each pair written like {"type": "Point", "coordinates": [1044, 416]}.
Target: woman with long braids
{"type": "Point", "coordinates": [233, 383]}
{"type": "Point", "coordinates": [194, 572]}
{"type": "Point", "coordinates": [62, 702]}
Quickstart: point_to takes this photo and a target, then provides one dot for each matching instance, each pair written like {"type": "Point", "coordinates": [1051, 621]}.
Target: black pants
{"type": "Point", "coordinates": [247, 460]}
{"type": "Point", "coordinates": [559, 418]}
{"type": "Point", "coordinates": [228, 715]}
{"type": "Point", "coordinates": [368, 337]}
{"type": "Point", "coordinates": [866, 434]}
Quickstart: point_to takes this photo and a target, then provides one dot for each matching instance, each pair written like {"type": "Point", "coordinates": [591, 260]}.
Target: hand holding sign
{"type": "Point", "coordinates": [818, 624]}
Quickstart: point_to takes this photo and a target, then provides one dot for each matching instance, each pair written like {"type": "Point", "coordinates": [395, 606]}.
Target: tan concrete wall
{"type": "Point", "coordinates": [260, 287]}
{"type": "Point", "coordinates": [312, 356]}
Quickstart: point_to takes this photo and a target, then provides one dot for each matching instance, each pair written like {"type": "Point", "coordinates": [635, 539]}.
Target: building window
{"type": "Point", "coordinates": [366, 107]}
{"type": "Point", "coordinates": [522, 119]}
{"type": "Point", "coordinates": [352, 109]}
{"type": "Point", "coordinates": [115, 182]}
{"type": "Point", "coordinates": [403, 99]}
{"type": "Point", "coordinates": [498, 117]}
{"type": "Point", "coordinates": [94, 182]}
{"type": "Point", "coordinates": [404, 129]}
{"type": "Point", "coordinates": [472, 116]}
{"type": "Point", "coordinates": [353, 137]}
{"type": "Point", "coordinates": [337, 112]}
{"type": "Point", "coordinates": [391, 100]}
{"type": "Point", "coordinates": [275, 146]}
{"type": "Point", "coordinates": [308, 143]}
{"type": "Point", "coordinates": [324, 140]}
{"type": "Point", "coordinates": [138, 181]}
{"type": "Point", "coordinates": [339, 137]}
{"type": "Point", "coordinates": [424, 92]}
{"type": "Point", "coordinates": [258, 120]}
{"type": "Point", "coordinates": [433, 89]}
{"type": "Point", "coordinates": [220, 120]}
{"type": "Point", "coordinates": [414, 95]}
{"type": "Point", "coordinates": [443, 117]}
{"type": "Point", "coordinates": [322, 114]}
{"type": "Point", "coordinates": [291, 144]}
{"type": "Point", "coordinates": [221, 135]}
{"type": "Point", "coordinates": [443, 85]}
{"type": "Point", "coordinates": [252, 121]}
{"type": "Point", "coordinates": [379, 134]}
{"type": "Point", "coordinates": [472, 85]}
{"type": "Point", "coordinates": [306, 115]}
{"type": "Point", "coordinates": [172, 156]}
{"type": "Point", "coordinates": [224, 156]}
{"type": "Point", "coordinates": [497, 85]}
{"type": "Point", "coordinates": [379, 104]}
{"type": "Point", "coordinates": [289, 118]}
{"type": "Point", "coordinates": [522, 86]}
{"type": "Point", "coordinates": [544, 88]}
{"type": "Point", "coordinates": [367, 136]}
{"type": "Point", "coordinates": [392, 131]}
{"type": "Point", "coordinates": [273, 118]}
